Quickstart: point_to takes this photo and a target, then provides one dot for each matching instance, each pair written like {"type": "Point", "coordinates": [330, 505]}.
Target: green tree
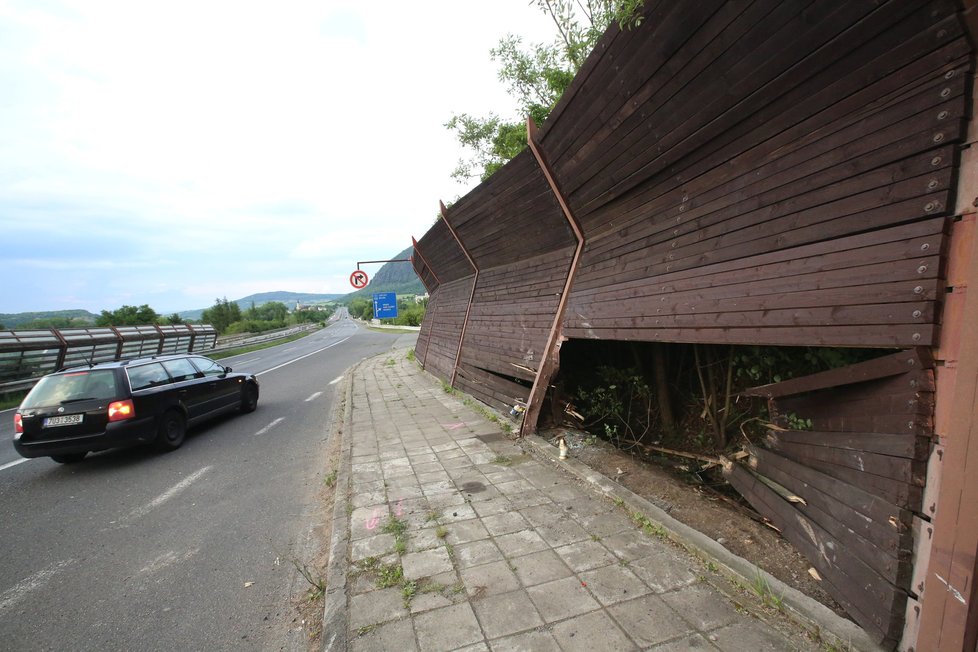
{"type": "Point", "coordinates": [222, 314]}
{"type": "Point", "coordinates": [536, 77]}
{"type": "Point", "coordinates": [128, 316]}
{"type": "Point", "coordinates": [174, 320]}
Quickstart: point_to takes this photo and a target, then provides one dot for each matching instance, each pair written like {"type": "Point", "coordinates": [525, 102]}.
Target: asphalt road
{"type": "Point", "coordinates": [190, 550]}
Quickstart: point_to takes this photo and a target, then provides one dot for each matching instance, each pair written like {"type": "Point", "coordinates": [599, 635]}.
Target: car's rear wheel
{"type": "Point", "coordinates": [171, 431]}
{"type": "Point", "coordinates": [69, 458]}
{"type": "Point", "coordinates": [249, 398]}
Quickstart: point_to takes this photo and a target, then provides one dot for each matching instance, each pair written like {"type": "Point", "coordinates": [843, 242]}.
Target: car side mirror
{"type": "Point", "coordinates": [227, 370]}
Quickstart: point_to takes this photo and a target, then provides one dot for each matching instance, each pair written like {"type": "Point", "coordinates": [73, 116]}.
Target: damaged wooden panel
{"type": "Point", "coordinates": [509, 323]}
{"type": "Point", "coordinates": [860, 473]}
{"type": "Point", "coordinates": [855, 582]}
{"type": "Point", "coordinates": [446, 313]}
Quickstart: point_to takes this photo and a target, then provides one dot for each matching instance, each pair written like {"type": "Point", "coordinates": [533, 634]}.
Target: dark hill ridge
{"type": "Point", "coordinates": [12, 321]}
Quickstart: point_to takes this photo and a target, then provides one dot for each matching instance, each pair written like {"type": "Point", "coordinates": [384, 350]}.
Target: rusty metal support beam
{"type": "Point", "coordinates": [426, 263]}
{"type": "Point", "coordinates": [391, 260]}
{"type": "Point", "coordinates": [475, 282]}
{"type": "Point", "coordinates": [551, 352]}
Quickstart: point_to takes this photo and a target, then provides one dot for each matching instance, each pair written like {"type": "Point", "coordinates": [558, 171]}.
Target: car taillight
{"type": "Point", "coordinates": [121, 410]}
{"type": "Point", "coordinates": [18, 423]}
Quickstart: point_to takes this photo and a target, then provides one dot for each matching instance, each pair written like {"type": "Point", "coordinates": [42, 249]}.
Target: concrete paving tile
{"type": "Point", "coordinates": [586, 555]}
{"type": "Point", "coordinates": [489, 579]}
{"type": "Point", "coordinates": [515, 488]}
{"type": "Point", "coordinates": [687, 643]}
{"type": "Point", "coordinates": [368, 498]}
{"type": "Point", "coordinates": [424, 456]}
{"type": "Point", "coordinates": [504, 523]}
{"type": "Point", "coordinates": [562, 599]}
{"type": "Point", "coordinates": [649, 621]}
{"type": "Point", "coordinates": [445, 501]}
{"type": "Point", "coordinates": [663, 572]}
{"type": "Point", "coordinates": [476, 553]}
{"type": "Point", "coordinates": [540, 567]}
{"type": "Point", "coordinates": [507, 613]}
{"type": "Point", "coordinates": [478, 647]}
{"type": "Point", "coordinates": [365, 469]}
{"type": "Point", "coordinates": [398, 472]}
{"type": "Point", "coordinates": [487, 494]}
{"type": "Point", "coordinates": [454, 452]}
{"type": "Point", "coordinates": [426, 563]}
{"type": "Point", "coordinates": [590, 632]}
{"type": "Point", "coordinates": [376, 607]}
{"type": "Point", "coordinates": [532, 498]}
{"type": "Point", "coordinates": [365, 486]}
{"type": "Point", "coordinates": [447, 628]}
{"type": "Point", "coordinates": [397, 635]}
{"type": "Point", "coordinates": [444, 447]}
{"type": "Point", "coordinates": [702, 606]}
{"type": "Point", "coordinates": [365, 520]}
{"type": "Point", "coordinates": [429, 467]}
{"type": "Point", "coordinates": [401, 462]}
{"type": "Point", "coordinates": [457, 513]}
{"type": "Point", "coordinates": [613, 584]}
{"type": "Point", "coordinates": [459, 462]}
{"type": "Point", "coordinates": [563, 532]}
{"type": "Point", "coordinates": [752, 635]}
{"type": "Point", "coordinates": [436, 488]}
{"type": "Point", "coordinates": [565, 492]}
{"type": "Point", "coordinates": [539, 515]}
{"type": "Point", "coordinates": [604, 524]}
{"type": "Point", "coordinates": [425, 539]}
{"type": "Point", "coordinates": [374, 546]}
{"type": "Point", "coordinates": [520, 543]}
{"type": "Point", "coordinates": [632, 545]}
{"type": "Point", "coordinates": [533, 641]}
{"type": "Point", "coordinates": [425, 479]}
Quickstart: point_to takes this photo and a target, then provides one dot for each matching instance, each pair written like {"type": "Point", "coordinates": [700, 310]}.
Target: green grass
{"type": "Point", "coordinates": [255, 347]}
{"type": "Point", "coordinates": [410, 355]}
{"type": "Point", "coordinates": [389, 575]}
{"type": "Point", "coordinates": [763, 590]}
{"type": "Point", "coordinates": [11, 400]}
{"type": "Point", "coordinates": [330, 479]}
{"type": "Point", "coordinates": [502, 460]}
{"type": "Point", "coordinates": [441, 531]}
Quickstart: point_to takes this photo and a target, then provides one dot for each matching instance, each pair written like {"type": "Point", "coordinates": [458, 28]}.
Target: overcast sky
{"type": "Point", "coordinates": [173, 152]}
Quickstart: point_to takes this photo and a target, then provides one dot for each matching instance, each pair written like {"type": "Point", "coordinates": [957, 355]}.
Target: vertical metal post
{"type": "Point", "coordinates": [475, 282]}
{"type": "Point", "coordinates": [551, 351]}
{"type": "Point", "coordinates": [424, 358]}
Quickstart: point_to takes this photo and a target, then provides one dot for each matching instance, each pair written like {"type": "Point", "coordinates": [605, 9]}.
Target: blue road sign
{"type": "Point", "coordinates": [385, 305]}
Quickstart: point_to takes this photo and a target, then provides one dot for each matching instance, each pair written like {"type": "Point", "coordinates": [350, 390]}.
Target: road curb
{"type": "Point", "coordinates": [806, 611]}
{"type": "Point", "coordinates": [334, 610]}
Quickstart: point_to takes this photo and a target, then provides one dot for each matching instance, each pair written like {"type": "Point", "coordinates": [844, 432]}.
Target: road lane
{"type": "Point", "coordinates": [188, 550]}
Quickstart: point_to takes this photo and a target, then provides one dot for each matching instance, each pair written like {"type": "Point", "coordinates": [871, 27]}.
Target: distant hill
{"type": "Point", "coordinates": [392, 277]}
{"type": "Point", "coordinates": [290, 299]}
{"type": "Point", "coordinates": [15, 320]}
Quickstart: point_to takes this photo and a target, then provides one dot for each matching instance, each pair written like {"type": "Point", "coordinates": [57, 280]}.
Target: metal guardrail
{"type": "Point", "coordinates": [27, 355]}
{"type": "Point", "coordinates": [235, 342]}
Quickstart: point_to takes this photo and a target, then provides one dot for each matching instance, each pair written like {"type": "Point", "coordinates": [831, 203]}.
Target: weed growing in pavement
{"type": "Point", "coordinates": [650, 528]}
{"type": "Point", "coordinates": [441, 531]}
{"type": "Point", "coordinates": [317, 583]}
{"type": "Point", "coordinates": [432, 516]}
{"type": "Point", "coordinates": [330, 479]}
{"type": "Point", "coordinates": [410, 355]}
{"type": "Point", "coordinates": [395, 526]}
{"type": "Point", "coordinates": [712, 567]}
{"type": "Point", "coordinates": [457, 588]}
{"type": "Point", "coordinates": [389, 575]}
{"type": "Point", "coordinates": [400, 545]}
{"type": "Point", "coordinates": [763, 590]}
{"type": "Point", "coordinates": [366, 629]}
{"type": "Point", "coordinates": [618, 501]}
{"type": "Point", "coordinates": [408, 589]}
{"type": "Point", "coordinates": [595, 537]}
{"type": "Point", "coordinates": [502, 460]}
{"type": "Point", "coordinates": [390, 362]}
{"type": "Point", "coordinates": [448, 389]}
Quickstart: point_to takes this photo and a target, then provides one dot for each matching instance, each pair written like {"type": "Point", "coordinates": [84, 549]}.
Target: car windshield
{"type": "Point", "coordinates": [72, 387]}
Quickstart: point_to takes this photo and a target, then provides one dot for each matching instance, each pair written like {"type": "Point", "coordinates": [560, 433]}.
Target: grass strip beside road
{"type": "Point", "coordinates": [255, 347]}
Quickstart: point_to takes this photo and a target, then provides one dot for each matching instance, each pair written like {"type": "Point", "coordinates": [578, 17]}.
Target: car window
{"type": "Point", "coordinates": [73, 386]}
{"type": "Point", "coordinates": [147, 375]}
{"type": "Point", "coordinates": [180, 369]}
{"type": "Point", "coordinates": [209, 367]}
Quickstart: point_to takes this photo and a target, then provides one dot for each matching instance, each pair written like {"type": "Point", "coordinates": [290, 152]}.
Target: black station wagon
{"type": "Point", "coordinates": [124, 403]}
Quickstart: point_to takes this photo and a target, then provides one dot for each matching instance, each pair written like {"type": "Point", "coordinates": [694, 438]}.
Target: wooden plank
{"type": "Point", "coordinates": [872, 613]}
{"type": "Point", "coordinates": [882, 367]}
{"type": "Point", "coordinates": [881, 522]}
{"type": "Point", "coordinates": [908, 446]}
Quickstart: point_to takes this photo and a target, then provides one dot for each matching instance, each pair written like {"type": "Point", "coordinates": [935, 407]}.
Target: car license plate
{"type": "Point", "coordinates": [66, 420]}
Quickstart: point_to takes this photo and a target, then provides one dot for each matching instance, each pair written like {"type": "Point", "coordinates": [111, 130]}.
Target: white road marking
{"type": "Point", "coordinates": [246, 361]}
{"type": "Point", "coordinates": [314, 397]}
{"type": "Point", "coordinates": [166, 559]}
{"type": "Point", "coordinates": [168, 494]}
{"type": "Point", "coordinates": [19, 591]}
{"type": "Point", "coordinates": [303, 356]}
{"type": "Point", "coordinates": [270, 426]}
{"type": "Point", "coordinates": [6, 466]}
{"type": "Point", "coordinates": [336, 380]}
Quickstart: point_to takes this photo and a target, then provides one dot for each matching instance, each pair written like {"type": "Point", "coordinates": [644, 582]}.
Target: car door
{"type": "Point", "coordinates": [193, 396]}
{"type": "Point", "coordinates": [226, 392]}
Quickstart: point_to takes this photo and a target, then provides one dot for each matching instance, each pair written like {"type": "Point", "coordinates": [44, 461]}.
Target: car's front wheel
{"type": "Point", "coordinates": [171, 431]}
{"type": "Point", "coordinates": [249, 398]}
{"type": "Point", "coordinates": [69, 458]}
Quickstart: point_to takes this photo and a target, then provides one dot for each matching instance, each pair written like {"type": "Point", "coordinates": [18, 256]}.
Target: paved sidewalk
{"type": "Point", "coordinates": [454, 539]}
